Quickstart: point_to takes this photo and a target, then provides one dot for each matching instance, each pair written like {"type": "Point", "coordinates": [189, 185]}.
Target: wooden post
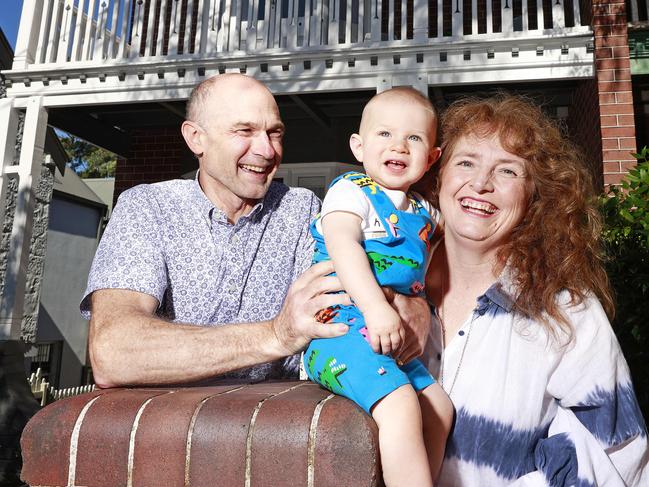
{"type": "Point", "coordinates": [28, 33]}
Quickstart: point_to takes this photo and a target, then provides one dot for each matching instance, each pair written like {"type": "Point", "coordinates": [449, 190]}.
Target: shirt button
{"type": "Point", "coordinates": [234, 239]}
{"type": "Point", "coordinates": [461, 333]}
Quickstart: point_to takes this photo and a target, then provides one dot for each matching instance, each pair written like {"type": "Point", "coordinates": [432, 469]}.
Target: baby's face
{"type": "Point", "coordinates": [397, 142]}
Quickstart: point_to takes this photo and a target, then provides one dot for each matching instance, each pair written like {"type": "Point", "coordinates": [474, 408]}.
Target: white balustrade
{"type": "Point", "coordinates": [95, 31]}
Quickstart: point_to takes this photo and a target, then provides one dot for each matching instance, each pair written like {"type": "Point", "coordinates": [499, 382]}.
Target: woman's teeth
{"type": "Point", "coordinates": [480, 206]}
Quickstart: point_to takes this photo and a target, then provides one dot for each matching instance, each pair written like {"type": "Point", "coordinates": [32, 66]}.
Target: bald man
{"type": "Point", "coordinates": [205, 278]}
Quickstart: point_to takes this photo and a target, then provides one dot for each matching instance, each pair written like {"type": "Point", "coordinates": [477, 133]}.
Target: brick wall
{"type": "Point", "coordinates": [615, 89]}
{"type": "Point", "coordinates": [585, 127]}
{"type": "Point", "coordinates": [156, 154]}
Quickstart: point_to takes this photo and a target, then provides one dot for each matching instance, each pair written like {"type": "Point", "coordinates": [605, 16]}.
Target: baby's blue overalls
{"type": "Point", "coordinates": [347, 365]}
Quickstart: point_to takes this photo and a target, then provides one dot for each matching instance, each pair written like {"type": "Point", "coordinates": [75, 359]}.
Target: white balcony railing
{"type": "Point", "coordinates": [64, 32]}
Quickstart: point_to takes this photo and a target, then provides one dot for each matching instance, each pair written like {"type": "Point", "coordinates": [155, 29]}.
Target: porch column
{"type": "Point", "coordinates": [614, 88]}
{"type": "Point", "coordinates": [28, 32]}
{"type": "Point", "coordinates": [17, 404]}
{"type": "Point", "coordinates": [28, 172]}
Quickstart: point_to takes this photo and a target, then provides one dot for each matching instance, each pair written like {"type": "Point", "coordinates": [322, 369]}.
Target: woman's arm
{"type": "Point", "coordinates": [599, 418]}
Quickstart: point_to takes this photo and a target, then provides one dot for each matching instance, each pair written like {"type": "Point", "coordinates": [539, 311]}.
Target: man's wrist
{"type": "Point", "coordinates": [276, 345]}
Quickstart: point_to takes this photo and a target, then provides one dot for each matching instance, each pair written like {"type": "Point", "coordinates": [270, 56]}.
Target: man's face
{"type": "Point", "coordinates": [242, 143]}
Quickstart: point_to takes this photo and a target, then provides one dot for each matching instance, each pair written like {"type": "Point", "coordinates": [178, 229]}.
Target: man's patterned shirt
{"type": "Point", "coordinates": [169, 241]}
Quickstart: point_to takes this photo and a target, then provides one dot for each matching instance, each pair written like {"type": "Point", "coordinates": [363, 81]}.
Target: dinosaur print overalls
{"type": "Point", "coordinates": [347, 365]}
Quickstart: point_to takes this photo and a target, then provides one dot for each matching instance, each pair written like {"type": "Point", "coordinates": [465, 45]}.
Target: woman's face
{"type": "Point", "coordinates": [484, 192]}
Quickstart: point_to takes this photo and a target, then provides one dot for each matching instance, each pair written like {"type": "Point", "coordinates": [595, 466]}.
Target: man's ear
{"type": "Point", "coordinates": [192, 133]}
{"type": "Point", "coordinates": [435, 153]}
{"type": "Point", "coordinates": [356, 145]}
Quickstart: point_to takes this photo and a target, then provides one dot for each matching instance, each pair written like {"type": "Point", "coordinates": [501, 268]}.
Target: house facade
{"type": "Point", "coordinates": [118, 72]}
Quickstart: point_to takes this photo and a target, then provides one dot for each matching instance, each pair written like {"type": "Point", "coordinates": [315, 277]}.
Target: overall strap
{"type": "Point", "coordinates": [381, 202]}
{"type": "Point", "coordinates": [415, 201]}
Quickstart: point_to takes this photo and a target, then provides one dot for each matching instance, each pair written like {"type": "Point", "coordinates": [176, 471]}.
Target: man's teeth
{"type": "Point", "coordinates": [256, 169]}
{"type": "Point", "coordinates": [481, 206]}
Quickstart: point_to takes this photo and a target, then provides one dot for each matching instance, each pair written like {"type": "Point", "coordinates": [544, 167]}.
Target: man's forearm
{"type": "Point", "coordinates": [137, 349]}
{"type": "Point", "coordinates": [130, 346]}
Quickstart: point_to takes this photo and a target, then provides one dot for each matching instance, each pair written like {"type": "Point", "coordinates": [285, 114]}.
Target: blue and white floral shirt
{"type": "Point", "coordinates": [169, 241]}
{"type": "Point", "coordinates": [534, 413]}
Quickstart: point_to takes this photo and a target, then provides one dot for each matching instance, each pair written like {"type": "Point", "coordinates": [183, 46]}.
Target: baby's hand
{"type": "Point", "coordinates": [384, 328]}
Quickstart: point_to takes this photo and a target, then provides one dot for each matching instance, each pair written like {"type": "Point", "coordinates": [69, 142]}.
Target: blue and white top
{"type": "Point", "coordinates": [531, 412]}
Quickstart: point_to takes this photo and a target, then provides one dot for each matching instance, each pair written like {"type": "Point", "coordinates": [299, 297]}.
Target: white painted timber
{"type": "Point", "coordinates": [93, 29]}
{"type": "Point", "coordinates": [29, 172]}
{"type": "Point", "coordinates": [43, 35]}
{"type": "Point", "coordinates": [113, 52]}
{"type": "Point", "coordinates": [558, 17]}
{"type": "Point", "coordinates": [113, 39]}
{"type": "Point", "coordinates": [90, 32]}
{"type": "Point", "coordinates": [508, 16]}
{"type": "Point", "coordinates": [28, 33]}
{"type": "Point", "coordinates": [8, 130]}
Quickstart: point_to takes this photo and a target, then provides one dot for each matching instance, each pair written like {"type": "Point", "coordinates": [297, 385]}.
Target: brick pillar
{"type": "Point", "coordinates": [156, 154]}
{"type": "Point", "coordinates": [613, 74]}
{"type": "Point", "coordinates": [585, 127]}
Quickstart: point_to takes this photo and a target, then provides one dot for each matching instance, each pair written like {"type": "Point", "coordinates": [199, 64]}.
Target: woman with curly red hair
{"type": "Point", "coordinates": [521, 341]}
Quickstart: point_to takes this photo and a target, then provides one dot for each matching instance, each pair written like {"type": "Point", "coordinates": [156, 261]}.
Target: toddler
{"type": "Point", "coordinates": [378, 234]}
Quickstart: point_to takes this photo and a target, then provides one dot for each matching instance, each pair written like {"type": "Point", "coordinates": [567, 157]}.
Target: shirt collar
{"type": "Point", "coordinates": [207, 208]}
{"type": "Point", "coordinates": [497, 295]}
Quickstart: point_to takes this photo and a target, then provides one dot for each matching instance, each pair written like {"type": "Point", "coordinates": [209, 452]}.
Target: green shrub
{"type": "Point", "coordinates": [626, 236]}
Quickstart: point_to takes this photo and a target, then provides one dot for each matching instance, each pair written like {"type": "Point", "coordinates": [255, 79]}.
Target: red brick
{"type": "Point", "coordinates": [169, 417]}
{"type": "Point", "coordinates": [611, 40]}
{"type": "Point", "coordinates": [610, 167]}
{"type": "Point", "coordinates": [628, 143]}
{"type": "Point", "coordinates": [620, 51]}
{"type": "Point", "coordinates": [613, 178]}
{"type": "Point", "coordinates": [606, 75]}
{"type": "Point", "coordinates": [611, 63]}
{"type": "Point", "coordinates": [622, 74]}
{"type": "Point", "coordinates": [601, 10]}
{"type": "Point", "coordinates": [268, 467]}
{"type": "Point", "coordinates": [614, 86]}
{"type": "Point", "coordinates": [609, 121]}
{"type": "Point", "coordinates": [611, 143]}
{"type": "Point", "coordinates": [631, 164]}
{"type": "Point", "coordinates": [46, 452]}
{"type": "Point", "coordinates": [603, 52]}
{"type": "Point", "coordinates": [342, 431]}
{"type": "Point", "coordinates": [114, 413]}
{"type": "Point", "coordinates": [616, 8]}
{"type": "Point", "coordinates": [604, 29]}
{"type": "Point", "coordinates": [600, 18]}
{"type": "Point", "coordinates": [616, 109]}
{"type": "Point", "coordinates": [618, 132]}
{"type": "Point", "coordinates": [623, 120]}
{"type": "Point", "coordinates": [625, 97]}
{"type": "Point", "coordinates": [616, 155]}
{"type": "Point", "coordinates": [606, 98]}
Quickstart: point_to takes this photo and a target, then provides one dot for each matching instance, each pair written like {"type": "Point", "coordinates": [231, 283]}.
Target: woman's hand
{"type": "Point", "coordinates": [416, 319]}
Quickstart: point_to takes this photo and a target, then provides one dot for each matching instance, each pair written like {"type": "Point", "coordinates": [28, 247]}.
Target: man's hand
{"type": "Point", "coordinates": [384, 328]}
{"type": "Point", "coordinates": [295, 325]}
{"type": "Point", "coordinates": [416, 318]}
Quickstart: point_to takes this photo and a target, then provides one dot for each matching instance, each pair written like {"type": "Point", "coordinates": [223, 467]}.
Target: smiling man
{"type": "Point", "coordinates": [220, 251]}
{"type": "Point", "coordinates": [205, 278]}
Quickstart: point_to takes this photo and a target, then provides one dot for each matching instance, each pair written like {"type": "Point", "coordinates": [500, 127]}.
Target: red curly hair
{"type": "Point", "coordinates": [557, 245]}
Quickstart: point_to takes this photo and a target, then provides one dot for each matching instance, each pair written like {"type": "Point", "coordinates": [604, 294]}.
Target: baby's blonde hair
{"type": "Point", "coordinates": [405, 93]}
